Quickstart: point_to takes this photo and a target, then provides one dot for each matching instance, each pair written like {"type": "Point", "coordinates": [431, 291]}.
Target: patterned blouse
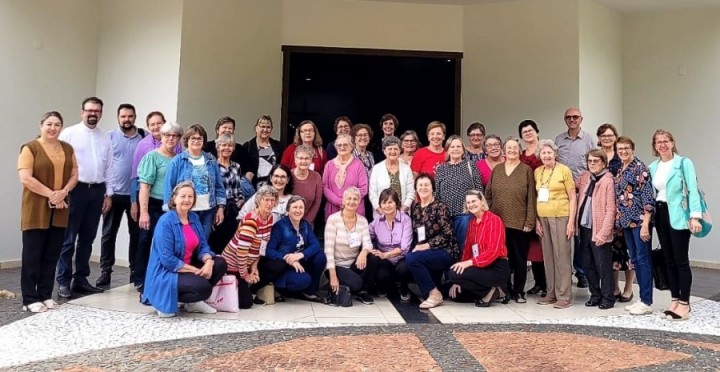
{"type": "Point", "coordinates": [634, 195]}
{"type": "Point", "coordinates": [231, 179]}
{"type": "Point", "coordinates": [452, 181]}
{"type": "Point", "coordinates": [368, 160]}
{"type": "Point", "coordinates": [435, 218]}
{"type": "Point", "coordinates": [473, 157]}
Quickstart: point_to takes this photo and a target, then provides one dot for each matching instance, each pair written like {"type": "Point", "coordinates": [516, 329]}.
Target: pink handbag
{"type": "Point", "coordinates": [224, 296]}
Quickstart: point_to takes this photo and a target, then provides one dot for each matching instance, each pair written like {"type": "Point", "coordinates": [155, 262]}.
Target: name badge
{"type": "Point", "coordinates": [354, 239]}
{"type": "Point", "coordinates": [312, 166]}
{"type": "Point", "coordinates": [263, 247]}
{"type": "Point", "coordinates": [475, 250]}
{"type": "Point", "coordinates": [421, 234]}
{"type": "Point", "coordinates": [543, 195]}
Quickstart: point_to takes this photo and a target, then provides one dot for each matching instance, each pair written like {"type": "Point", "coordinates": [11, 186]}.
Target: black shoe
{"type": "Point", "coordinates": [103, 280]}
{"type": "Point", "coordinates": [543, 292]}
{"type": "Point", "coordinates": [520, 298]}
{"type": "Point", "coordinates": [279, 297]}
{"type": "Point", "coordinates": [493, 298]}
{"type": "Point", "coordinates": [365, 298]}
{"type": "Point", "coordinates": [592, 302]}
{"type": "Point", "coordinates": [64, 292]}
{"type": "Point", "coordinates": [534, 290]}
{"type": "Point", "coordinates": [140, 288]}
{"type": "Point", "coordinates": [605, 306]}
{"type": "Point", "coordinates": [82, 286]}
{"type": "Point", "coordinates": [258, 301]}
{"type": "Point", "coordinates": [582, 282]}
{"type": "Point", "coordinates": [621, 298]}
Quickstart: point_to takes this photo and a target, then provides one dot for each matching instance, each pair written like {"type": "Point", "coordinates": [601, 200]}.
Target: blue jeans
{"type": "Point", "coordinates": [427, 267]}
{"type": "Point", "coordinates": [641, 257]}
{"type": "Point", "coordinates": [207, 218]}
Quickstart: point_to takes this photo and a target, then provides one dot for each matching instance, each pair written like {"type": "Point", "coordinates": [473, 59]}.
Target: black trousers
{"type": "Point", "coordinates": [356, 279]}
{"type": "Point", "coordinates": [518, 245]}
{"type": "Point", "coordinates": [111, 224]}
{"type": "Point", "coordinates": [142, 253]}
{"type": "Point", "coordinates": [598, 267]}
{"type": "Point", "coordinates": [195, 288]}
{"type": "Point", "coordinates": [269, 271]}
{"type": "Point", "coordinates": [224, 232]}
{"type": "Point", "coordinates": [388, 273]}
{"type": "Point", "coordinates": [478, 281]}
{"type": "Point", "coordinates": [40, 253]}
{"type": "Point", "coordinates": [675, 247]}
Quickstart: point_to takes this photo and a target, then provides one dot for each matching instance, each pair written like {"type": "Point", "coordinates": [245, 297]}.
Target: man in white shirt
{"type": "Point", "coordinates": [91, 198]}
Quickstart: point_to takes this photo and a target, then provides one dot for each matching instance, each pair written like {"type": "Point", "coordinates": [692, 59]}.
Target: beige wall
{"type": "Point", "coordinates": [521, 62]}
{"type": "Point", "coordinates": [600, 65]}
{"type": "Point", "coordinates": [49, 63]}
{"type": "Point", "coordinates": [671, 80]}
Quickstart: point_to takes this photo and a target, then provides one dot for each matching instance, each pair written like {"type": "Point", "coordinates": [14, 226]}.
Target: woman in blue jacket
{"type": "Point", "coordinates": [203, 170]}
{"type": "Point", "coordinates": [676, 217]}
{"type": "Point", "coordinates": [293, 257]}
{"type": "Point", "coordinates": [182, 267]}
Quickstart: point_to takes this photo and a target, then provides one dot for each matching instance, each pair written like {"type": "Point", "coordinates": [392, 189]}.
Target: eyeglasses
{"type": "Point", "coordinates": [530, 131]}
{"type": "Point", "coordinates": [362, 135]}
{"type": "Point", "coordinates": [341, 145]}
{"type": "Point", "coordinates": [572, 117]}
{"type": "Point", "coordinates": [279, 177]}
{"type": "Point", "coordinates": [409, 141]}
{"type": "Point", "coordinates": [195, 139]}
{"type": "Point", "coordinates": [662, 142]}
{"type": "Point", "coordinates": [594, 161]}
{"type": "Point", "coordinates": [606, 136]}
{"type": "Point", "coordinates": [623, 149]}
{"type": "Point", "coordinates": [492, 145]}
{"type": "Point", "coordinates": [476, 135]}
{"type": "Point", "coordinates": [308, 131]}
{"type": "Point", "coordinates": [170, 135]}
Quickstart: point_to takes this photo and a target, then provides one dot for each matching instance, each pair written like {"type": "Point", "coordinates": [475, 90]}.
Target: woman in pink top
{"type": "Point", "coordinates": [428, 158]}
{"type": "Point", "coordinates": [493, 150]}
{"type": "Point", "coordinates": [342, 173]}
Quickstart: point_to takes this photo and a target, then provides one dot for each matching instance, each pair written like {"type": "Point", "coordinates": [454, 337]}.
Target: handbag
{"type": "Point", "coordinates": [224, 296]}
{"type": "Point", "coordinates": [705, 219]}
{"type": "Point", "coordinates": [660, 274]}
{"type": "Point", "coordinates": [343, 298]}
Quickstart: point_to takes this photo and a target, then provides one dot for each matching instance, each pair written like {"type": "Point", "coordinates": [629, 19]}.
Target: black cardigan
{"type": "Point", "coordinates": [253, 159]}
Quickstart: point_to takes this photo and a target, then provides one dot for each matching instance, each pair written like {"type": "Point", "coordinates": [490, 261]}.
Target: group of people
{"type": "Point", "coordinates": [459, 221]}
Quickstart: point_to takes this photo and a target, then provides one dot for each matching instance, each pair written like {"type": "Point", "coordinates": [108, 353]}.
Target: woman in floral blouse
{"type": "Point", "coordinates": [636, 204]}
{"type": "Point", "coordinates": [436, 247]}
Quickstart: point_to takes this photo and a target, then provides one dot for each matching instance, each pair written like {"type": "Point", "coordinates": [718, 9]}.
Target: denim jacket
{"type": "Point", "coordinates": [284, 239]}
{"type": "Point", "coordinates": [180, 169]}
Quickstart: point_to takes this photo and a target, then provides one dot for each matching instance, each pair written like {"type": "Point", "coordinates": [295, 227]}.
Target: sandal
{"type": "Point", "coordinates": [36, 307]}
{"type": "Point", "coordinates": [431, 302]}
{"type": "Point", "coordinates": [50, 304]}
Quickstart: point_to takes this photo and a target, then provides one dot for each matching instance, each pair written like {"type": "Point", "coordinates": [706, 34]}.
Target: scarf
{"type": "Point", "coordinates": [342, 171]}
{"type": "Point", "coordinates": [586, 207]}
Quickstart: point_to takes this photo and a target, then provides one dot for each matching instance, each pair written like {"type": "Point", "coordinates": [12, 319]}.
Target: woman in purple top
{"type": "Point", "coordinates": [340, 174]}
{"type": "Point", "coordinates": [392, 236]}
{"type": "Point", "coordinates": [494, 156]}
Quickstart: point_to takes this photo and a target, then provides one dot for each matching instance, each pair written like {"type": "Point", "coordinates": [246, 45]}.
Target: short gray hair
{"type": "Point", "coordinates": [546, 143]}
{"type": "Point", "coordinates": [390, 141]}
{"type": "Point", "coordinates": [352, 190]}
{"type": "Point", "coordinates": [172, 127]}
{"type": "Point", "coordinates": [224, 140]}
{"type": "Point", "coordinates": [514, 139]}
{"type": "Point", "coordinates": [304, 149]}
{"type": "Point", "coordinates": [345, 136]}
{"type": "Point", "coordinates": [294, 199]}
{"type": "Point", "coordinates": [263, 191]}
{"type": "Point", "coordinates": [495, 137]}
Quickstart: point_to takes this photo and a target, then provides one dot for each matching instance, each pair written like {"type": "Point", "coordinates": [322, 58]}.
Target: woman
{"type": "Point", "coordinates": [635, 207]}
{"type": "Point", "coordinates": [306, 134]}
{"type": "Point", "coordinates": [595, 224]}
{"type": "Point", "coordinates": [455, 177]}
{"type": "Point", "coordinates": [263, 151]}
{"type": "Point", "coordinates": [388, 125]}
{"type": "Point", "coordinates": [294, 261]}
{"type": "Point", "coordinates": [493, 148]}
{"type": "Point", "coordinates": [151, 175]}
{"type": "Point", "coordinates": [476, 137]}
{"type": "Point", "coordinates": [483, 270]}
{"type": "Point", "coordinates": [48, 172]}
{"type": "Point", "coordinates": [362, 135]}
{"type": "Point", "coordinates": [182, 267]}
{"type": "Point", "coordinates": [249, 243]}
{"type": "Point", "coordinates": [511, 196]}
{"type": "Point", "coordinates": [282, 181]}
{"type": "Point", "coordinates": [237, 189]}
{"type": "Point", "coordinates": [676, 217]}
{"type": "Point", "coordinates": [392, 237]}
{"type": "Point", "coordinates": [202, 169]}
{"type": "Point", "coordinates": [428, 158]}
{"type": "Point", "coordinates": [342, 126]}
{"type": "Point", "coordinates": [530, 134]}
{"type": "Point", "coordinates": [436, 248]}
{"type": "Point", "coordinates": [307, 183]}
{"type": "Point", "coordinates": [607, 135]}
{"type": "Point", "coordinates": [348, 248]}
{"type": "Point", "coordinates": [341, 173]}
{"type": "Point", "coordinates": [556, 206]}
{"type": "Point", "coordinates": [410, 143]}
{"type": "Point", "coordinates": [393, 174]}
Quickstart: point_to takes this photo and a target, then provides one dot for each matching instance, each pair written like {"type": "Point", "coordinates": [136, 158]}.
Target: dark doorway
{"type": "Point", "coordinates": [320, 84]}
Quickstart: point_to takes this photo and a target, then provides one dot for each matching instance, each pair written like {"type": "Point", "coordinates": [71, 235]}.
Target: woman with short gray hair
{"type": "Point", "coordinates": [493, 147]}
{"type": "Point", "coordinates": [392, 174]}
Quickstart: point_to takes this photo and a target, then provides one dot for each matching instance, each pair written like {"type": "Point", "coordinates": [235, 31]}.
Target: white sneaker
{"type": "Point", "coordinates": [200, 307]}
{"type": "Point", "coordinates": [165, 315]}
{"type": "Point", "coordinates": [50, 304]}
{"type": "Point", "coordinates": [641, 309]}
{"type": "Point", "coordinates": [632, 306]}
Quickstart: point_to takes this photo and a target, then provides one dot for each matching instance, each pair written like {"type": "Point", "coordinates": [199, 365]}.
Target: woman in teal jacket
{"type": "Point", "coordinates": [182, 268]}
{"type": "Point", "coordinates": [676, 217]}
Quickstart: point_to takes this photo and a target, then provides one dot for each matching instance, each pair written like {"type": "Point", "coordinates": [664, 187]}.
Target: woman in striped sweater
{"type": "Point", "coordinates": [248, 244]}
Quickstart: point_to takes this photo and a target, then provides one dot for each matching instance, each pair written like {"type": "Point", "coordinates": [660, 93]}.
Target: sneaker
{"type": "Point", "coordinates": [165, 315]}
{"type": "Point", "coordinates": [562, 304]}
{"type": "Point", "coordinates": [200, 307]}
{"type": "Point", "coordinates": [632, 306]}
{"type": "Point", "coordinates": [641, 309]}
{"type": "Point", "coordinates": [382, 293]}
{"type": "Point", "coordinates": [405, 297]}
{"type": "Point", "coordinates": [365, 298]}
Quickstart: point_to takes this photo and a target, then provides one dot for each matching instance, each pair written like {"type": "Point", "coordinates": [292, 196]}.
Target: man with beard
{"type": "Point", "coordinates": [124, 140]}
{"type": "Point", "coordinates": [91, 198]}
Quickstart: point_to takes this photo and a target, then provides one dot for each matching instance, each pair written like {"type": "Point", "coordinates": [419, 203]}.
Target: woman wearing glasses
{"type": "Point", "coordinates": [281, 180]}
{"type": "Point", "coordinates": [476, 138]}
{"type": "Point", "coordinates": [342, 173]}
{"type": "Point", "coordinates": [263, 151]}
{"type": "Point", "coordinates": [409, 143]}
{"type": "Point", "coordinates": [306, 134]}
{"type": "Point", "coordinates": [493, 149]}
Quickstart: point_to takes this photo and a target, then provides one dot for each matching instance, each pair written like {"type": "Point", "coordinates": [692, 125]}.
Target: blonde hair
{"type": "Point", "coordinates": [663, 132]}
{"type": "Point", "coordinates": [483, 202]}
{"type": "Point", "coordinates": [177, 188]}
{"type": "Point", "coordinates": [436, 124]}
{"type": "Point", "coordinates": [447, 146]}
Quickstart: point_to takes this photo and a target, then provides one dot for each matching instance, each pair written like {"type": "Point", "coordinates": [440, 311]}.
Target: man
{"type": "Point", "coordinates": [388, 125]}
{"type": "Point", "coordinates": [226, 125]}
{"type": "Point", "coordinates": [343, 124]}
{"type": "Point", "coordinates": [124, 140]}
{"type": "Point", "coordinates": [573, 146]}
{"type": "Point", "coordinates": [91, 198]}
